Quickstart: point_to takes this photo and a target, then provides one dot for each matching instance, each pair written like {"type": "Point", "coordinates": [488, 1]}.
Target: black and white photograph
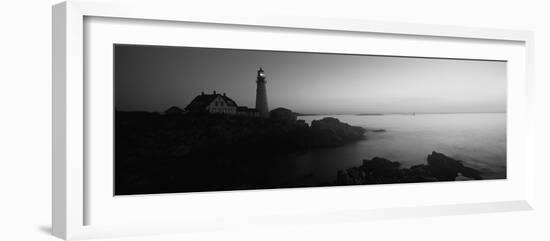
{"type": "Point", "coordinates": [275, 120]}
{"type": "Point", "coordinates": [193, 119]}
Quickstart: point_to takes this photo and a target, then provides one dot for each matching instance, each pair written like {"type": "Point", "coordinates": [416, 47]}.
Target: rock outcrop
{"type": "Point", "coordinates": [378, 170]}
{"type": "Point", "coordinates": [283, 114]}
{"type": "Point", "coordinates": [174, 110]}
{"type": "Point", "coordinates": [447, 169]}
{"type": "Point", "coordinates": [330, 131]}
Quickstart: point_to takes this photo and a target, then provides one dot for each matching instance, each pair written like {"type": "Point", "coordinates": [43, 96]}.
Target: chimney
{"type": "Point", "coordinates": [202, 92]}
{"type": "Point", "coordinates": [214, 92]}
{"type": "Point", "coordinates": [223, 94]}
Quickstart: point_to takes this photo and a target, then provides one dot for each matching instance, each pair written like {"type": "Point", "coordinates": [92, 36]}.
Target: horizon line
{"type": "Point", "coordinates": [407, 113]}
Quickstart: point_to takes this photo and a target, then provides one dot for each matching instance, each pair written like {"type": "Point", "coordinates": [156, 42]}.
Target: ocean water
{"type": "Point", "coordinates": [478, 139]}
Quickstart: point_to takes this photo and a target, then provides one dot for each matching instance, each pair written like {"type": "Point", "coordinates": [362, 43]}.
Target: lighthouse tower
{"type": "Point", "coordinates": [261, 94]}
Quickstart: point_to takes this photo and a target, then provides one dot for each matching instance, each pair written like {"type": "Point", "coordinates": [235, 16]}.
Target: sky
{"type": "Point", "coordinates": [154, 78]}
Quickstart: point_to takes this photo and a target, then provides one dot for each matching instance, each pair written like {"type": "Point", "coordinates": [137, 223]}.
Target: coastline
{"type": "Point", "coordinates": [183, 160]}
{"type": "Point", "coordinates": [171, 153]}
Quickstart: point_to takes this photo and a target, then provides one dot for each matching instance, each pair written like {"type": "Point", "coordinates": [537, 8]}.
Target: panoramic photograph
{"type": "Point", "coordinates": [190, 119]}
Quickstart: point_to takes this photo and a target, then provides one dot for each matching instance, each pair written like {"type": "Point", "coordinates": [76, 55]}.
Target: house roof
{"type": "Point", "coordinates": [202, 101]}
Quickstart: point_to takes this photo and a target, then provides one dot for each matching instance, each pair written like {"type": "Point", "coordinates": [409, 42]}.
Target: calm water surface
{"type": "Point", "coordinates": [479, 140]}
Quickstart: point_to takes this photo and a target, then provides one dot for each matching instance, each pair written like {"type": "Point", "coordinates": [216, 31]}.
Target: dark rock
{"type": "Point", "coordinates": [471, 173]}
{"type": "Point", "coordinates": [380, 164]}
{"type": "Point", "coordinates": [301, 123]}
{"type": "Point", "coordinates": [282, 114]}
{"type": "Point", "coordinates": [378, 130]}
{"type": "Point", "coordinates": [444, 167]}
{"type": "Point", "coordinates": [418, 173]}
{"type": "Point", "coordinates": [174, 110]}
{"type": "Point", "coordinates": [354, 175]}
{"type": "Point", "coordinates": [328, 123]}
{"type": "Point", "coordinates": [379, 170]}
{"type": "Point", "coordinates": [330, 131]}
{"type": "Point", "coordinates": [447, 169]}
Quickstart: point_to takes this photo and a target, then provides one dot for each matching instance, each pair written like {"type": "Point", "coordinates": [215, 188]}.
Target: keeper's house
{"type": "Point", "coordinates": [218, 104]}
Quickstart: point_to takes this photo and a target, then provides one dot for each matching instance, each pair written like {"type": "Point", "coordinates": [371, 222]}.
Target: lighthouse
{"type": "Point", "coordinates": [261, 94]}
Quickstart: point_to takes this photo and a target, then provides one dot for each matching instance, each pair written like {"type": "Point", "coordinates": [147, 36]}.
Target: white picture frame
{"type": "Point", "coordinates": [73, 190]}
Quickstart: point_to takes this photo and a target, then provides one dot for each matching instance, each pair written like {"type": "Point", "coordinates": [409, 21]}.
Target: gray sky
{"type": "Point", "coordinates": [153, 78]}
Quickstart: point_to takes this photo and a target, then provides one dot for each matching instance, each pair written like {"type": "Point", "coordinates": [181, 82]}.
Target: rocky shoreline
{"type": "Point", "coordinates": [439, 167]}
{"type": "Point", "coordinates": [178, 152]}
